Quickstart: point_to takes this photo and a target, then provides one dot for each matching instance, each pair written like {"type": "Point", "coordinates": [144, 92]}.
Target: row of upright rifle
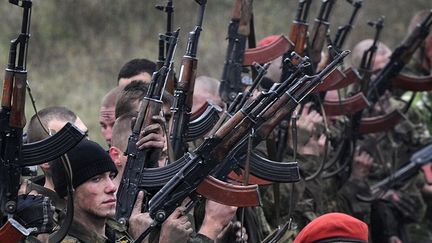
{"type": "Point", "coordinates": [225, 152]}
{"type": "Point", "coordinates": [249, 121]}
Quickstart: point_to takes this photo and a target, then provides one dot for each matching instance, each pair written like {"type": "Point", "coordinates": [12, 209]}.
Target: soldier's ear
{"type": "Point", "coordinates": [115, 154]}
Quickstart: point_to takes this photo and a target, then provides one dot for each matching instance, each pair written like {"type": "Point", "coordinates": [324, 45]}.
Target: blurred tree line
{"type": "Point", "coordinates": [78, 46]}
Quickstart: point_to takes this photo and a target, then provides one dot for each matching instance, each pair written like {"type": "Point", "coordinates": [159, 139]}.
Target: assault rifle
{"type": "Point", "coordinates": [299, 27]}
{"type": "Point", "coordinates": [399, 58]}
{"type": "Point", "coordinates": [351, 75]}
{"type": "Point", "coordinates": [238, 31]}
{"type": "Point", "coordinates": [319, 32]}
{"type": "Point", "coordinates": [139, 159]}
{"type": "Point", "coordinates": [397, 178]}
{"type": "Point", "coordinates": [343, 31]}
{"type": "Point", "coordinates": [14, 155]}
{"type": "Point", "coordinates": [214, 149]}
{"type": "Point", "coordinates": [163, 46]}
{"type": "Point", "coordinates": [183, 93]}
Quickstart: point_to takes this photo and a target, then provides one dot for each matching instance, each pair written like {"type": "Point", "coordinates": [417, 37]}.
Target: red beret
{"type": "Point", "coordinates": [333, 225]}
{"type": "Point", "coordinates": [267, 40]}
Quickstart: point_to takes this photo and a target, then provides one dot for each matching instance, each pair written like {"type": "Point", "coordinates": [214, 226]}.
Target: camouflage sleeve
{"type": "Point", "coordinates": [346, 199]}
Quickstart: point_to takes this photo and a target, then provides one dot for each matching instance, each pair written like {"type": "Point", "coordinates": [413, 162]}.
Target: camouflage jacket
{"type": "Point", "coordinates": [78, 233]}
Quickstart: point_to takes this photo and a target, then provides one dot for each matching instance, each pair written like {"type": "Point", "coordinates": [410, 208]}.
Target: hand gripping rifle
{"type": "Point", "coordinates": [13, 154]}
{"type": "Point", "coordinates": [204, 159]}
{"type": "Point", "coordinates": [261, 167]}
{"type": "Point", "coordinates": [281, 108]}
{"type": "Point", "coordinates": [238, 31]}
{"type": "Point", "coordinates": [214, 149]}
{"type": "Point", "coordinates": [139, 159]}
{"type": "Point", "coordinates": [183, 93]}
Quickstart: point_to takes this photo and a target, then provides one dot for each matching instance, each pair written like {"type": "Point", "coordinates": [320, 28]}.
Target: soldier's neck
{"type": "Point", "coordinates": [91, 222]}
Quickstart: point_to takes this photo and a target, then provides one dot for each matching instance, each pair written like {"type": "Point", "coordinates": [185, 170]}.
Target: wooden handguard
{"type": "Point", "coordinates": [267, 53]}
{"type": "Point", "coordinates": [350, 76]}
{"type": "Point", "coordinates": [253, 180]}
{"type": "Point", "coordinates": [380, 123]}
{"type": "Point", "coordinates": [346, 106]}
{"type": "Point", "coordinates": [330, 81]}
{"type": "Point", "coordinates": [7, 89]}
{"type": "Point", "coordinates": [229, 194]}
{"type": "Point", "coordinates": [17, 115]}
{"type": "Point", "coordinates": [412, 83]}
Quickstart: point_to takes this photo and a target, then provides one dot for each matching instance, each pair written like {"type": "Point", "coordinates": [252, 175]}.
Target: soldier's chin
{"type": "Point", "coordinates": [111, 213]}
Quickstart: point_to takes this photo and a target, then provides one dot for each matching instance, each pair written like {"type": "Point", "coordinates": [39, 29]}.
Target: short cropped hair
{"type": "Point", "coordinates": [35, 131]}
{"type": "Point", "coordinates": [121, 130]}
{"type": "Point", "coordinates": [135, 92]}
{"type": "Point", "coordinates": [135, 67]}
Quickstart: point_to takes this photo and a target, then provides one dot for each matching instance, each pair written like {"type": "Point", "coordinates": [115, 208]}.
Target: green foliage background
{"type": "Point", "coordinates": [78, 46]}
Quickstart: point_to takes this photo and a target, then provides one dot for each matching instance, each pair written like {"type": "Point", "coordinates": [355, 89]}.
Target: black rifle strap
{"type": "Point", "coordinates": [59, 235]}
{"type": "Point", "coordinates": [252, 42]}
{"type": "Point", "coordinates": [271, 152]}
{"type": "Point", "coordinates": [246, 173]}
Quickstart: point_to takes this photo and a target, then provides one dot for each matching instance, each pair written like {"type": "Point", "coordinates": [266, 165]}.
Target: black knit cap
{"type": "Point", "coordinates": [87, 160]}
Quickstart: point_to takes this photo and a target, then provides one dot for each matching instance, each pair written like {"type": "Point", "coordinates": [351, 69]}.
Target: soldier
{"type": "Point", "coordinates": [334, 227]}
{"type": "Point", "coordinates": [94, 198]}
{"type": "Point", "coordinates": [136, 69]}
{"type": "Point", "coordinates": [129, 100]}
{"type": "Point", "coordinates": [217, 217]}
{"type": "Point", "coordinates": [393, 210]}
{"type": "Point", "coordinates": [44, 124]}
{"type": "Point", "coordinates": [107, 113]}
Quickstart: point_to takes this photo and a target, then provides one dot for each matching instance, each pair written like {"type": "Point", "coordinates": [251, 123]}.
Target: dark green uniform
{"type": "Point", "coordinates": [114, 232]}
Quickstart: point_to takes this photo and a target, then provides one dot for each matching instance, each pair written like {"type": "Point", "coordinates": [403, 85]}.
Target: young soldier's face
{"type": "Point", "coordinates": [96, 197]}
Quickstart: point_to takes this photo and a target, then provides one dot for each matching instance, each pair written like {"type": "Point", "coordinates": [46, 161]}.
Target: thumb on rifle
{"type": "Point", "coordinates": [138, 203]}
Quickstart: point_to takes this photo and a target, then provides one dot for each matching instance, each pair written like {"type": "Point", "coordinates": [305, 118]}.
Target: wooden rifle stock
{"type": "Point", "coordinates": [346, 106]}
{"type": "Point", "coordinates": [183, 93]}
{"type": "Point", "coordinates": [17, 116]}
{"type": "Point", "coordinates": [412, 83]}
{"type": "Point", "coordinates": [299, 27]}
{"type": "Point", "coordinates": [267, 53]}
{"type": "Point", "coordinates": [380, 123]}
{"type": "Point", "coordinates": [7, 89]}
{"type": "Point", "coordinates": [319, 32]}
